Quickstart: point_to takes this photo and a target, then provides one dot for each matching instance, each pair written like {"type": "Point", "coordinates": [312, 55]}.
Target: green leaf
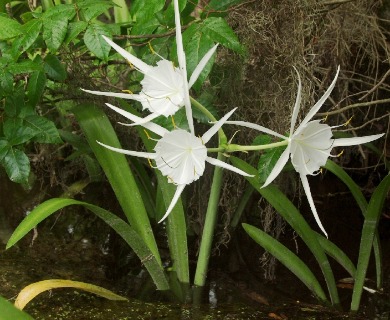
{"type": "Point", "coordinates": [97, 127]}
{"type": "Point", "coordinates": [10, 28]}
{"type": "Point", "coordinates": [31, 291]}
{"type": "Point", "coordinates": [94, 8]}
{"type": "Point", "coordinates": [269, 157]}
{"type": "Point", "coordinates": [16, 133]}
{"type": "Point", "coordinates": [132, 238]}
{"type": "Point", "coordinates": [219, 31]}
{"type": "Point", "coordinates": [14, 103]}
{"type": "Point", "coordinates": [369, 231]}
{"type": "Point", "coordinates": [287, 258]}
{"type": "Point", "coordinates": [9, 311]}
{"type": "Point", "coordinates": [31, 32]}
{"type": "Point", "coordinates": [179, 120]}
{"type": "Point", "coordinates": [25, 66]}
{"type": "Point", "coordinates": [44, 129]}
{"type": "Point", "coordinates": [142, 11]}
{"type": "Point", "coordinates": [17, 165]}
{"type": "Point", "coordinates": [220, 5]}
{"type": "Point", "coordinates": [6, 82]}
{"type": "Point", "coordinates": [36, 87]}
{"type": "Point", "coordinates": [94, 41]}
{"type": "Point", "coordinates": [67, 11]}
{"type": "Point", "coordinates": [293, 217]}
{"type": "Point", "coordinates": [196, 47]}
{"type": "Point", "coordinates": [74, 29]}
{"type": "Point", "coordinates": [54, 31]}
{"type": "Point", "coordinates": [4, 148]}
{"type": "Point", "coordinates": [54, 69]}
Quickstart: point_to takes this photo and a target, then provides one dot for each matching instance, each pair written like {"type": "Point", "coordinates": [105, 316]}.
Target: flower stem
{"type": "Point", "coordinates": [209, 226]}
{"type": "Point", "coordinates": [237, 147]}
{"type": "Point", "coordinates": [208, 114]}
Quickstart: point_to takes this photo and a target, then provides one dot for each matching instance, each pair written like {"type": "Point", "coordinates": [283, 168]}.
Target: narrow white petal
{"type": "Point", "coordinates": [213, 130]}
{"type": "Point", "coordinates": [176, 197]}
{"type": "Point", "coordinates": [227, 166]}
{"type": "Point", "coordinates": [116, 95]}
{"type": "Point", "coordinates": [257, 127]}
{"type": "Point", "coordinates": [142, 121]}
{"type": "Point", "coordinates": [297, 104]}
{"type": "Point", "coordinates": [150, 125]}
{"type": "Point", "coordinates": [343, 142]}
{"type": "Point", "coordinates": [202, 63]}
{"type": "Point", "coordinates": [306, 187]}
{"type": "Point", "coordinates": [279, 165]}
{"type": "Point", "coordinates": [146, 155]}
{"type": "Point", "coordinates": [181, 57]}
{"type": "Point", "coordinates": [139, 64]}
{"type": "Point", "coordinates": [320, 102]}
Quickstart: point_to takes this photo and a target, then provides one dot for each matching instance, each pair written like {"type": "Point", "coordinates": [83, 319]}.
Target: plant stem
{"type": "Point", "coordinates": [209, 226]}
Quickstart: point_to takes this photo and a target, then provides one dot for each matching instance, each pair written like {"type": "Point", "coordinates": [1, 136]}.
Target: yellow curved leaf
{"type": "Point", "coordinates": [32, 290]}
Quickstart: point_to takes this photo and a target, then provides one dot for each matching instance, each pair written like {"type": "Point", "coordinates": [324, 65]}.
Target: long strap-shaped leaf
{"type": "Point", "coordinates": [373, 213]}
{"type": "Point", "coordinates": [128, 233]}
{"type": "Point", "coordinates": [176, 222]}
{"type": "Point", "coordinates": [292, 215]}
{"type": "Point", "coordinates": [97, 127]}
{"type": "Point", "coordinates": [288, 258]}
{"type": "Point", "coordinates": [361, 201]}
{"type": "Point", "coordinates": [31, 291]}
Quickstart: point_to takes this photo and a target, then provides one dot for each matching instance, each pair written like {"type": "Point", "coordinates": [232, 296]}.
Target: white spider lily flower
{"type": "Point", "coordinates": [179, 155]}
{"type": "Point", "coordinates": [309, 146]}
{"type": "Point", "coordinates": [165, 88]}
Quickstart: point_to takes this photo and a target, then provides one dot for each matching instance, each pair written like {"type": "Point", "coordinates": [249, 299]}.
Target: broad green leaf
{"type": "Point", "coordinates": [17, 165]}
{"type": "Point", "coordinates": [54, 69]}
{"type": "Point", "coordinates": [74, 29]}
{"type": "Point", "coordinates": [178, 120]}
{"type": "Point", "coordinates": [94, 8]}
{"type": "Point", "coordinates": [287, 258]}
{"type": "Point", "coordinates": [125, 231]}
{"type": "Point", "coordinates": [25, 66]}
{"type": "Point", "coordinates": [31, 32]}
{"type": "Point", "coordinates": [196, 47]}
{"type": "Point", "coordinates": [142, 11]}
{"type": "Point", "coordinates": [267, 162]}
{"type": "Point", "coordinates": [6, 82]}
{"type": "Point", "coordinates": [9, 311]}
{"type": "Point", "coordinates": [219, 31]}
{"type": "Point", "coordinates": [121, 12]}
{"type": "Point", "coordinates": [4, 148]}
{"type": "Point", "coordinates": [31, 291]}
{"type": "Point", "coordinates": [67, 11]}
{"type": "Point", "coordinates": [44, 129]}
{"type": "Point", "coordinates": [10, 28]}
{"type": "Point", "coordinates": [14, 103]}
{"type": "Point", "coordinates": [220, 5]}
{"type": "Point", "coordinates": [16, 133]}
{"type": "Point", "coordinates": [369, 231]}
{"type": "Point", "coordinates": [94, 41]}
{"type": "Point", "coordinates": [54, 31]}
{"type": "Point", "coordinates": [36, 87]}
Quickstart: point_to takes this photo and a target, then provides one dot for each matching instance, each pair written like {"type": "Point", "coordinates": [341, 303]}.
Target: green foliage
{"type": "Point", "coordinates": [9, 311]}
{"type": "Point", "coordinates": [268, 158]}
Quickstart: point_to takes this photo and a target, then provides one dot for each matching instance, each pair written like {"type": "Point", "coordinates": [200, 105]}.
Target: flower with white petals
{"type": "Point", "coordinates": [309, 145]}
{"type": "Point", "coordinates": [179, 155]}
{"type": "Point", "coordinates": [164, 86]}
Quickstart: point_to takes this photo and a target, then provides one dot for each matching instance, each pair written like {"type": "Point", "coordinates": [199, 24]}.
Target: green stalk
{"type": "Point", "coordinates": [209, 226]}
